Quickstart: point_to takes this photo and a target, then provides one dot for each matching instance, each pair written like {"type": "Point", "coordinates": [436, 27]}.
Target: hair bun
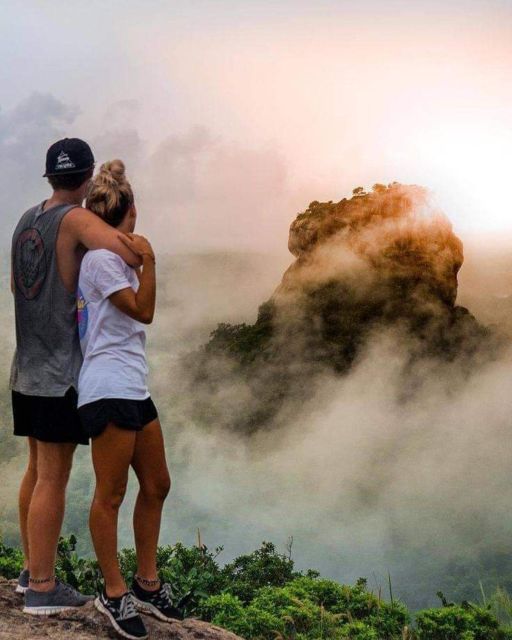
{"type": "Point", "coordinates": [110, 193]}
{"type": "Point", "coordinates": [116, 169]}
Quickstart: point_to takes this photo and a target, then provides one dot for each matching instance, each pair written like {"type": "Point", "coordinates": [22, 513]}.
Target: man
{"type": "Point", "coordinates": [47, 247]}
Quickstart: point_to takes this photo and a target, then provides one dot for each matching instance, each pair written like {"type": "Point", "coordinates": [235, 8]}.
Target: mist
{"type": "Point", "coordinates": [231, 118]}
{"type": "Point", "coordinates": [364, 483]}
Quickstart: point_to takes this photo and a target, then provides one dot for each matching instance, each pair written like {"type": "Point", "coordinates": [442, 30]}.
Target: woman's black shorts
{"type": "Point", "coordinates": [47, 418]}
{"type": "Point", "coordinates": [133, 415]}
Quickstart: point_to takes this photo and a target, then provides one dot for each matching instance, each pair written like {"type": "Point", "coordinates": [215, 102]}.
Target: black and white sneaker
{"type": "Point", "coordinates": [156, 603]}
{"type": "Point", "coordinates": [22, 585]}
{"type": "Point", "coordinates": [122, 615]}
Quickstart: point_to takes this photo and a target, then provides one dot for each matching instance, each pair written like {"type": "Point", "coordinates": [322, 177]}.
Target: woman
{"type": "Point", "coordinates": [114, 301]}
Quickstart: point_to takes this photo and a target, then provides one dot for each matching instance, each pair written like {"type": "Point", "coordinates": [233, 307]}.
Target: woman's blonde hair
{"type": "Point", "coordinates": [110, 194]}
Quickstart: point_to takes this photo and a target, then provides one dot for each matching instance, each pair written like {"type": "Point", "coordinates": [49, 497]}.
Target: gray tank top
{"type": "Point", "coordinates": [48, 357]}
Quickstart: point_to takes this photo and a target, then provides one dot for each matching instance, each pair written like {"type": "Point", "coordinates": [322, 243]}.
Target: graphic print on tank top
{"type": "Point", "coordinates": [29, 263]}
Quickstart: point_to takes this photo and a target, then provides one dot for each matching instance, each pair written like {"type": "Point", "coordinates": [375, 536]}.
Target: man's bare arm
{"type": "Point", "coordinates": [93, 233]}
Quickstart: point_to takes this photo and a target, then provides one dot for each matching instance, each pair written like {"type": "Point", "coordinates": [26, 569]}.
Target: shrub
{"type": "Point", "coordinates": [262, 568]}
{"type": "Point", "coordinates": [458, 622]}
{"type": "Point", "coordinates": [259, 596]}
{"type": "Point", "coordinates": [390, 620]}
{"type": "Point", "coordinates": [262, 624]}
{"type": "Point", "coordinates": [299, 615]}
{"type": "Point", "coordinates": [226, 610]}
{"type": "Point", "coordinates": [354, 603]}
{"type": "Point", "coordinates": [192, 572]}
{"type": "Point", "coordinates": [82, 573]}
{"type": "Point", "coordinates": [359, 631]}
{"type": "Point", "coordinates": [11, 561]}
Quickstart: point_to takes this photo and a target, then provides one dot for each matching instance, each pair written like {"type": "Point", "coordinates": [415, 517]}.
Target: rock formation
{"type": "Point", "coordinates": [88, 624]}
{"type": "Point", "coordinates": [386, 259]}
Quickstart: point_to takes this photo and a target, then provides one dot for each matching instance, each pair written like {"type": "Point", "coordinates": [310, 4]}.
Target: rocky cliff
{"type": "Point", "coordinates": [88, 624]}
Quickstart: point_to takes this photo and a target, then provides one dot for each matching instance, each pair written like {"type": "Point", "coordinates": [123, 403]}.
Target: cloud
{"type": "Point", "coordinates": [26, 131]}
{"type": "Point", "coordinates": [195, 190]}
{"type": "Point", "coordinates": [206, 192]}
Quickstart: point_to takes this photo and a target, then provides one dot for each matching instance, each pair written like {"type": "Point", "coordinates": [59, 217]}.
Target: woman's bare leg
{"type": "Point", "coordinates": [28, 483]}
{"type": "Point", "coordinates": [112, 452]}
{"type": "Point", "coordinates": [151, 468]}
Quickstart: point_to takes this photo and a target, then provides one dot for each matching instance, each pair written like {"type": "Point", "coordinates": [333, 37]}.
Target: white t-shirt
{"type": "Point", "coordinates": [113, 344]}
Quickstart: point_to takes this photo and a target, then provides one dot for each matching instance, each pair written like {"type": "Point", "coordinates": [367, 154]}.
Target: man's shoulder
{"type": "Point", "coordinates": [28, 214]}
{"type": "Point", "coordinates": [78, 214]}
{"type": "Point", "coordinates": [33, 209]}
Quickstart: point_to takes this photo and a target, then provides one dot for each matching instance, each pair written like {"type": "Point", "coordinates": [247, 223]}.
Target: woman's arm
{"type": "Point", "coordinates": [139, 305]}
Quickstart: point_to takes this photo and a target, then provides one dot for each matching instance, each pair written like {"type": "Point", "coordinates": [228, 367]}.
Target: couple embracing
{"type": "Point", "coordinates": [84, 286]}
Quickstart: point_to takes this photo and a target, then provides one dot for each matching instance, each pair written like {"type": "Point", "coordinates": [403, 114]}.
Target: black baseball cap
{"type": "Point", "coordinates": [70, 155]}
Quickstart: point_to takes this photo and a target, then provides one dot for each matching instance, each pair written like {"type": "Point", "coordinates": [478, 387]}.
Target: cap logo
{"type": "Point", "coordinates": [64, 162]}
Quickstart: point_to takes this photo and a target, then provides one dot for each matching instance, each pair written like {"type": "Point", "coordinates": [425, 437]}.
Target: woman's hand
{"type": "Point", "coordinates": [138, 244]}
{"type": "Point", "coordinates": [140, 304]}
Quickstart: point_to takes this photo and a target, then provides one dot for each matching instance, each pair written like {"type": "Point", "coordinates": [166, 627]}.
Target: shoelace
{"type": "Point", "coordinates": [164, 595]}
{"type": "Point", "coordinates": [127, 607]}
{"type": "Point", "coordinates": [167, 589]}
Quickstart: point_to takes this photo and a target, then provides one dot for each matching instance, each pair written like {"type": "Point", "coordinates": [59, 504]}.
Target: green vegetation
{"type": "Point", "coordinates": [260, 596]}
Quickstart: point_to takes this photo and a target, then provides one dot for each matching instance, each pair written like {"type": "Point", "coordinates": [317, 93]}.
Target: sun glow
{"type": "Point", "coordinates": [469, 166]}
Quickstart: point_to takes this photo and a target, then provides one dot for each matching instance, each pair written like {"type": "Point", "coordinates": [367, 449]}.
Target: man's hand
{"type": "Point", "coordinates": [138, 244]}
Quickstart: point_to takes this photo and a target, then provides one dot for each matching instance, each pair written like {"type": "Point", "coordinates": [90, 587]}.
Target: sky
{"type": "Point", "coordinates": [232, 116]}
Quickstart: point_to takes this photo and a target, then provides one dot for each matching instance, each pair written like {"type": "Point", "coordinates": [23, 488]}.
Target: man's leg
{"type": "Point", "coordinates": [112, 453]}
{"type": "Point", "coordinates": [46, 510]}
{"type": "Point", "coordinates": [25, 496]}
{"type": "Point", "coordinates": [151, 468]}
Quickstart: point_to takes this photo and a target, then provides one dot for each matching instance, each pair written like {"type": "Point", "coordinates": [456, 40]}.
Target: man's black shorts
{"type": "Point", "coordinates": [48, 419]}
